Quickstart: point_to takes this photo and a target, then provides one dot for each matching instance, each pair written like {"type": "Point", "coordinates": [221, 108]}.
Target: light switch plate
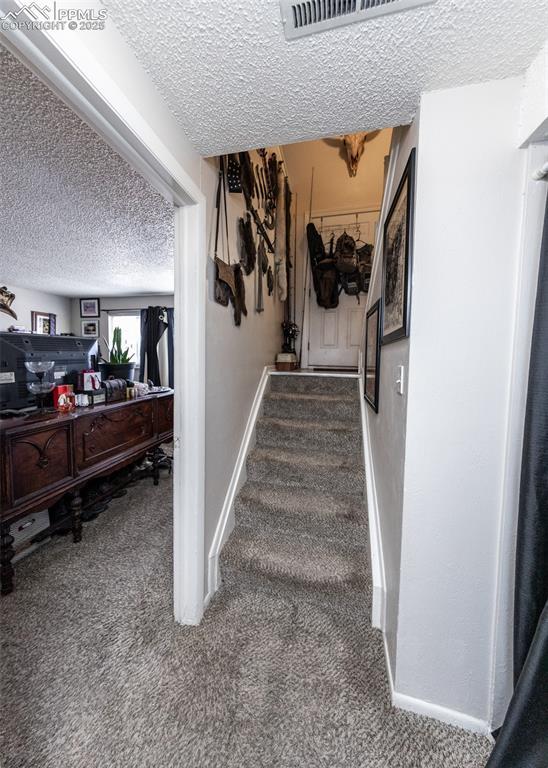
{"type": "Point", "coordinates": [400, 379]}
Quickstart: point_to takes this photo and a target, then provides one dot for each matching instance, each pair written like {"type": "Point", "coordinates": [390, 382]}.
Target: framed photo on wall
{"type": "Point", "coordinates": [43, 322]}
{"type": "Point", "coordinates": [89, 308]}
{"type": "Point", "coordinates": [397, 258]}
{"type": "Point", "coordinates": [372, 355]}
{"type": "Point", "coordinates": [90, 328]}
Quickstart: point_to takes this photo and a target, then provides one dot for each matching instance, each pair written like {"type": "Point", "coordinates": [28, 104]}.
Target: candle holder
{"type": "Point", "coordinates": [40, 388]}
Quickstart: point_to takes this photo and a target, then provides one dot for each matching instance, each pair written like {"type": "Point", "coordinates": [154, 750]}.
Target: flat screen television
{"type": "Point", "coordinates": [69, 354]}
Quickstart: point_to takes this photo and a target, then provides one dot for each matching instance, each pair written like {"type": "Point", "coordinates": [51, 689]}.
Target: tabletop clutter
{"type": "Point", "coordinates": [90, 389]}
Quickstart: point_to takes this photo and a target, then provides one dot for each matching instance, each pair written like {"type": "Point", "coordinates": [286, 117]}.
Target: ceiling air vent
{"type": "Point", "coordinates": [306, 18]}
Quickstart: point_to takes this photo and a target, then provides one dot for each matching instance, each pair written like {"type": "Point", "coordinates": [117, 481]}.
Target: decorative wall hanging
{"type": "Point", "coordinates": [90, 328]}
{"type": "Point", "coordinates": [233, 174]}
{"type": "Point", "coordinates": [262, 267]}
{"type": "Point", "coordinates": [225, 284]}
{"type": "Point", "coordinates": [251, 190]}
{"type": "Point", "coordinates": [397, 258]}
{"type": "Point", "coordinates": [280, 245]}
{"type": "Point", "coordinates": [90, 308]}
{"type": "Point", "coordinates": [351, 147]}
{"type": "Point", "coordinates": [248, 250]}
{"type": "Point", "coordinates": [6, 300]}
{"type": "Point", "coordinates": [43, 322]}
{"type": "Point", "coordinates": [372, 355]}
{"type": "Point", "coordinates": [238, 297]}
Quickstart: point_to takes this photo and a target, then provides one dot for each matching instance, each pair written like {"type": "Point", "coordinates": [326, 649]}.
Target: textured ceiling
{"type": "Point", "coordinates": [75, 218]}
{"type": "Point", "coordinates": [232, 80]}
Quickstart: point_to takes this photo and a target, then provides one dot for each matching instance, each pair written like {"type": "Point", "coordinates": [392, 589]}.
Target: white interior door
{"type": "Point", "coordinates": [335, 335]}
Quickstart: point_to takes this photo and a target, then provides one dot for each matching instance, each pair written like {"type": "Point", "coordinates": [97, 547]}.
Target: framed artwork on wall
{"type": "Point", "coordinates": [397, 258]}
{"type": "Point", "coordinates": [90, 328]}
{"type": "Point", "coordinates": [43, 322]}
{"type": "Point", "coordinates": [372, 355]}
{"type": "Point", "coordinates": [89, 308]}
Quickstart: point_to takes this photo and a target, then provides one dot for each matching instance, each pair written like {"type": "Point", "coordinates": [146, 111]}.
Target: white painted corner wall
{"type": "Point", "coordinates": [533, 120]}
{"type": "Point", "coordinates": [442, 497]}
{"type": "Point", "coordinates": [464, 275]}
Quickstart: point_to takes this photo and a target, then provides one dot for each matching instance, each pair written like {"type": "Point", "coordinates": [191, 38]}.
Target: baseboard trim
{"type": "Point", "coordinates": [444, 714]}
{"type": "Point", "coordinates": [225, 523]}
{"type": "Point", "coordinates": [428, 709]}
{"type": "Point", "coordinates": [378, 612]}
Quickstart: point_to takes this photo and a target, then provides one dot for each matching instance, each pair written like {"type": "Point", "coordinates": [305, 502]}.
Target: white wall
{"type": "Point", "coordinates": [469, 187]}
{"type": "Point", "coordinates": [534, 104]}
{"type": "Point", "coordinates": [118, 303]}
{"type": "Point", "coordinates": [235, 358]}
{"type": "Point", "coordinates": [333, 188]}
{"type": "Point", "coordinates": [387, 428]}
{"type": "Point", "coordinates": [27, 301]}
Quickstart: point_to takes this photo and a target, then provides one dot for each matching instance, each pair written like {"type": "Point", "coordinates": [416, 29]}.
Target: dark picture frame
{"type": "Point", "coordinates": [372, 358]}
{"type": "Point", "coordinates": [397, 258]}
{"type": "Point", "coordinates": [90, 328]}
{"type": "Point", "coordinates": [90, 308]}
{"type": "Point", "coordinates": [44, 323]}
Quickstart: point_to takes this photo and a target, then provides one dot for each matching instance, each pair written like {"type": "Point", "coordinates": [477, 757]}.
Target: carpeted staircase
{"type": "Point", "coordinates": [300, 521]}
{"type": "Point", "coordinates": [285, 670]}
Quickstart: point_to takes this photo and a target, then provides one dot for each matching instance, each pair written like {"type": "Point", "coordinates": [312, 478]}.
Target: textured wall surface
{"type": "Point", "coordinates": [234, 82]}
{"type": "Point", "coordinates": [235, 357]}
{"type": "Point", "coordinates": [75, 219]}
{"type": "Point", "coordinates": [387, 428]}
{"type": "Point", "coordinates": [466, 251]}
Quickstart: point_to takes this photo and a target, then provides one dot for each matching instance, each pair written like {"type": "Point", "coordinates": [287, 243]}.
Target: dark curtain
{"type": "Point", "coordinates": [523, 739]}
{"type": "Point", "coordinates": [532, 545]}
{"type": "Point", "coordinates": [152, 329]}
{"type": "Point", "coordinates": [170, 317]}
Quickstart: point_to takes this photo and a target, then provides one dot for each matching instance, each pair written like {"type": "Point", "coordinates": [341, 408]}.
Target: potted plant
{"type": "Point", "coordinates": [118, 365]}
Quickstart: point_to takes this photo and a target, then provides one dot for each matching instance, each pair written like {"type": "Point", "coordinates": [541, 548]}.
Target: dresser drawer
{"type": "Point", "coordinates": [38, 460]}
{"type": "Point", "coordinates": [111, 432]}
{"type": "Point", "coordinates": [165, 415]}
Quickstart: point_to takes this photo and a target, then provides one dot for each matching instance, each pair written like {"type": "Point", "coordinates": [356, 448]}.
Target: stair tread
{"type": "Point", "coordinates": [328, 426]}
{"type": "Point", "coordinates": [308, 560]}
{"type": "Point", "coordinates": [312, 459]}
{"type": "Point", "coordinates": [304, 397]}
{"type": "Point", "coordinates": [349, 508]}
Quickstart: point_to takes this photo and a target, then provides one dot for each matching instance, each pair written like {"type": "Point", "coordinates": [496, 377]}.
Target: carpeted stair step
{"type": "Point", "coordinates": [283, 560]}
{"type": "Point", "coordinates": [308, 384]}
{"type": "Point", "coordinates": [330, 436]}
{"type": "Point", "coordinates": [315, 407]}
{"type": "Point", "coordinates": [303, 511]}
{"type": "Point", "coordinates": [323, 472]}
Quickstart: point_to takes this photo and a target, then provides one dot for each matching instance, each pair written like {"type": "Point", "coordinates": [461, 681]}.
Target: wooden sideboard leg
{"type": "Point", "coordinates": [76, 511]}
{"type": "Point", "coordinates": [6, 553]}
{"type": "Point", "coordinates": [156, 457]}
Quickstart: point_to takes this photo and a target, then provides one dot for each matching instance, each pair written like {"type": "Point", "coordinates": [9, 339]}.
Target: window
{"type": "Point", "coordinates": [130, 323]}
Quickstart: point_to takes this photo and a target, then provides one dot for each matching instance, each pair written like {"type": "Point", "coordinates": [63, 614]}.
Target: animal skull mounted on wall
{"type": "Point", "coordinates": [351, 147]}
{"type": "Point", "coordinates": [354, 144]}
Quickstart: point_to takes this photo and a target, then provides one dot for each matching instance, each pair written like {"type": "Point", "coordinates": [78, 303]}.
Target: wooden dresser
{"type": "Point", "coordinates": [46, 458]}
